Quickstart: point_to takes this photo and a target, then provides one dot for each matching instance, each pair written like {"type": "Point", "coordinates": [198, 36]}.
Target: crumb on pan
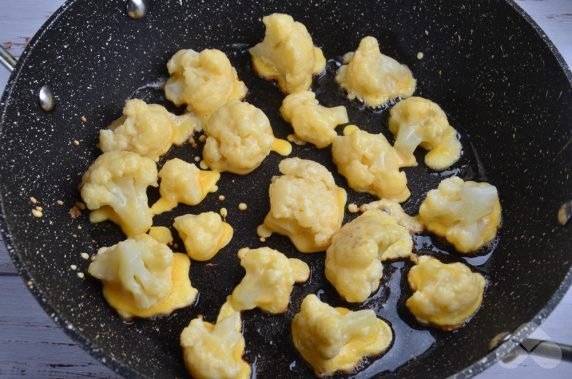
{"type": "Point", "coordinates": [295, 140]}
{"type": "Point", "coordinates": [75, 212]}
{"type": "Point", "coordinates": [353, 208]}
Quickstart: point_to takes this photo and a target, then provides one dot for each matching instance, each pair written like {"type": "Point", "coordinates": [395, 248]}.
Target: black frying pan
{"type": "Point", "coordinates": [503, 85]}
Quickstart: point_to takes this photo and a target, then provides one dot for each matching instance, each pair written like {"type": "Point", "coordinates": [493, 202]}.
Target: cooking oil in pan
{"type": "Point", "coordinates": [429, 245]}
{"type": "Point", "coordinates": [408, 342]}
{"type": "Point", "coordinates": [411, 340]}
{"type": "Point", "coordinates": [268, 345]}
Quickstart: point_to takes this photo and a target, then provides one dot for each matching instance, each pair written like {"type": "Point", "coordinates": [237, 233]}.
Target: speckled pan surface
{"type": "Point", "coordinates": [484, 63]}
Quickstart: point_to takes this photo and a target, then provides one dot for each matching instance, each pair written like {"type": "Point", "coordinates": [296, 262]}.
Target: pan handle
{"type": "Point", "coordinates": [7, 59]}
{"type": "Point", "coordinates": [545, 349]}
{"type": "Point", "coordinates": [46, 97]}
{"type": "Point", "coordinates": [549, 349]}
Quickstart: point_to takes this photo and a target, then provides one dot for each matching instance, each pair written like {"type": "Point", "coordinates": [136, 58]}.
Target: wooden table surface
{"type": "Point", "coordinates": [31, 345]}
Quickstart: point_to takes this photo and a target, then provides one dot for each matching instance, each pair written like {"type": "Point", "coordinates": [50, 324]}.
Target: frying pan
{"type": "Point", "coordinates": [501, 82]}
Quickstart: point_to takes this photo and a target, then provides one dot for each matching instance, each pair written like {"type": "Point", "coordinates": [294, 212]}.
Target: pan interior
{"type": "Point", "coordinates": [500, 85]}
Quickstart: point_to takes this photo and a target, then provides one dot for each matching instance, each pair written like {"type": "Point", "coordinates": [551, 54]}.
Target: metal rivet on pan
{"type": "Point", "coordinates": [565, 213]}
{"type": "Point", "coordinates": [46, 98]}
{"type": "Point", "coordinates": [511, 356]}
{"type": "Point", "coordinates": [498, 340]}
{"type": "Point", "coordinates": [137, 9]}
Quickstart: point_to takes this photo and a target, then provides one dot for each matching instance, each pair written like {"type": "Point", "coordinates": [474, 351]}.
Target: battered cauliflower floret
{"type": "Point", "coordinates": [215, 350]}
{"type": "Point", "coordinates": [115, 188]}
{"type": "Point", "coordinates": [183, 182]}
{"type": "Point", "coordinates": [141, 265]}
{"type": "Point", "coordinates": [142, 277]}
{"type": "Point", "coordinates": [161, 234]}
{"type": "Point", "coordinates": [147, 129]}
{"type": "Point", "coordinates": [312, 122]}
{"type": "Point", "coordinates": [394, 209]}
{"type": "Point", "coordinates": [370, 164]}
{"type": "Point", "coordinates": [372, 77]}
{"type": "Point", "coordinates": [417, 121]}
{"type": "Point", "coordinates": [446, 295]}
{"type": "Point", "coordinates": [269, 279]}
{"type": "Point", "coordinates": [353, 260]}
{"type": "Point", "coordinates": [306, 205]}
{"type": "Point", "coordinates": [203, 81]}
{"type": "Point", "coordinates": [287, 54]}
{"type": "Point", "coordinates": [467, 214]}
{"type": "Point", "coordinates": [337, 339]}
{"type": "Point", "coordinates": [239, 137]}
{"type": "Point", "coordinates": [203, 234]}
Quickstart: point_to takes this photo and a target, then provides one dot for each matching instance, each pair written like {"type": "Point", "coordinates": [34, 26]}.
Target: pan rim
{"type": "Point", "coordinates": [123, 369]}
{"type": "Point", "coordinates": [95, 352]}
{"type": "Point", "coordinates": [526, 329]}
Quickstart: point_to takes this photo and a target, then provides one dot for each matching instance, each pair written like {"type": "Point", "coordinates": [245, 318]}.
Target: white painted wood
{"type": "Point", "coordinates": [31, 345]}
{"type": "Point", "coordinates": [555, 18]}
{"type": "Point", "coordinates": [19, 20]}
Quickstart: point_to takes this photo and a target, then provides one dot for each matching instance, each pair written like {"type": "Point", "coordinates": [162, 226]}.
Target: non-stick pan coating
{"type": "Point", "coordinates": [499, 80]}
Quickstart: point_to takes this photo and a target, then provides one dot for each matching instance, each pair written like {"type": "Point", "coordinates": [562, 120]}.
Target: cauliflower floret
{"type": "Point", "coordinates": [183, 182]}
{"type": "Point", "coordinates": [370, 164]}
{"type": "Point", "coordinates": [467, 214]}
{"type": "Point", "coordinates": [287, 54]}
{"type": "Point", "coordinates": [312, 122]}
{"type": "Point", "coordinates": [239, 137]}
{"type": "Point", "coordinates": [446, 295]}
{"type": "Point", "coordinates": [353, 260]}
{"type": "Point", "coordinates": [372, 77]}
{"type": "Point", "coordinates": [215, 351]}
{"type": "Point", "coordinates": [337, 339]}
{"type": "Point", "coordinates": [418, 121]}
{"type": "Point", "coordinates": [115, 188]}
{"type": "Point", "coordinates": [147, 129]}
{"type": "Point", "coordinates": [269, 279]}
{"type": "Point", "coordinates": [203, 81]}
{"type": "Point", "coordinates": [305, 204]}
{"type": "Point", "coordinates": [203, 234]}
{"type": "Point", "coordinates": [142, 277]}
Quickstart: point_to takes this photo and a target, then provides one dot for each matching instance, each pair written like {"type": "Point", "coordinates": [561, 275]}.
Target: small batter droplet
{"type": "Point", "coordinates": [565, 213]}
